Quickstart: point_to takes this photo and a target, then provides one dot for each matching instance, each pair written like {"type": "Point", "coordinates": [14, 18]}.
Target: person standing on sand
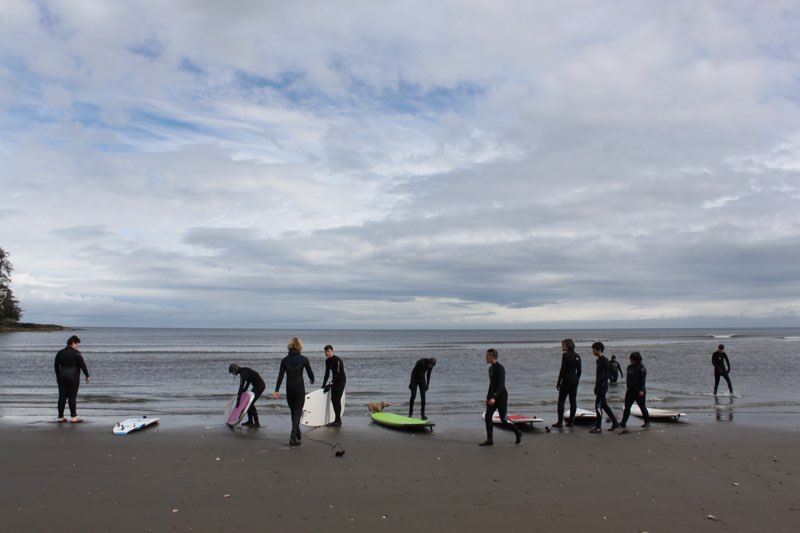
{"type": "Point", "coordinates": [420, 379]}
{"type": "Point", "coordinates": [292, 367]}
{"type": "Point", "coordinates": [635, 382]}
{"type": "Point", "coordinates": [497, 398]}
{"type": "Point", "coordinates": [567, 384]}
{"type": "Point", "coordinates": [334, 367]}
{"type": "Point", "coordinates": [69, 364]}
{"type": "Point", "coordinates": [248, 378]}
{"type": "Point", "coordinates": [722, 367]}
{"type": "Point", "coordinates": [600, 390]}
{"type": "Point", "coordinates": [615, 369]}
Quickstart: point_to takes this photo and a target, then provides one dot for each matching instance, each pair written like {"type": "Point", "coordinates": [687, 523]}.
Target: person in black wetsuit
{"type": "Point", "coordinates": [292, 367]}
{"type": "Point", "coordinates": [334, 367]}
{"type": "Point", "coordinates": [567, 384]}
{"type": "Point", "coordinates": [420, 379]}
{"type": "Point", "coordinates": [722, 366]}
{"type": "Point", "coordinates": [497, 398]}
{"type": "Point", "coordinates": [249, 378]}
{"type": "Point", "coordinates": [615, 369]}
{"type": "Point", "coordinates": [635, 382]}
{"type": "Point", "coordinates": [600, 390]}
{"type": "Point", "coordinates": [69, 364]}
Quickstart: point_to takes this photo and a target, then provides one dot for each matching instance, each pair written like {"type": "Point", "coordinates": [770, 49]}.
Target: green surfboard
{"type": "Point", "coordinates": [394, 420]}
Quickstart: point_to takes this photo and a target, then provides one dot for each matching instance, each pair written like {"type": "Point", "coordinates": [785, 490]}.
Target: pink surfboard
{"type": "Point", "coordinates": [234, 413]}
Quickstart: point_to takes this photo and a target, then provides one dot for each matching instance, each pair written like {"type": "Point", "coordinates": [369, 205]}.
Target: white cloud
{"type": "Point", "coordinates": [463, 164]}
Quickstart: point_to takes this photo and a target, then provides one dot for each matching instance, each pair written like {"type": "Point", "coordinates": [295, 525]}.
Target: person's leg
{"type": "Point", "coordinates": [72, 398]}
{"type": "Point", "coordinates": [503, 409]}
{"type": "Point", "coordinates": [490, 409]}
{"type": "Point", "coordinates": [336, 400]}
{"type": "Point", "coordinates": [252, 412]}
{"type": "Point", "coordinates": [413, 388]}
{"type": "Point", "coordinates": [422, 389]}
{"type": "Point", "coordinates": [562, 397]}
{"type": "Point", "coordinates": [598, 413]}
{"type": "Point", "coordinates": [716, 381]}
{"type": "Point", "coordinates": [627, 411]}
{"type": "Point", "coordinates": [62, 399]}
{"type": "Point", "coordinates": [610, 413]}
{"type": "Point", "coordinates": [296, 400]}
{"type": "Point", "coordinates": [640, 401]}
{"type": "Point", "coordinates": [573, 403]}
{"type": "Point", "coordinates": [728, 380]}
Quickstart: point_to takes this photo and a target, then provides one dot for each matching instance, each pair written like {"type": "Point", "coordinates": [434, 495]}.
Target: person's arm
{"type": "Point", "coordinates": [562, 371]}
{"type": "Point", "coordinates": [281, 372]}
{"type": "Point", "coordinates": [327, 372]}
{"type": "Point", "coordinates": [727, 364]}
{"type": "Point", "coordinates": [56, 365]}
{"type": "Point", "coordinates": [82, 365]}
{"type": "Point", "coordinates": [310, 372]}
{"type": "Point", "coordinates": [500, 384]}
{"type": "Point", "coordinates": [428, 378]}
{"type": "Point", "coordinates": [578, 369]}
{"type": "Point", "coordinates": [642, 379]}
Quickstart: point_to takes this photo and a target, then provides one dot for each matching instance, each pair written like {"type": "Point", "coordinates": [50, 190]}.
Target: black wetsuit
{"type": "Point", "coordinates": [292, 366]}
{"type": "Point", "coordinates": [615, 370]}
{"type": "Point", "coordinates": [568, 378]}
{"type": "Point", "coordinates": [334, 367]}
{"type": "Point", "coordinates": [722, 366]}
{"type": "Point", "coordinates": [420, 379]}
{"type": "Point", "coordinates": [497, 391]}
{"type": "Point", "coordinates": [250, 378]}
{"type": "Point", "coordinates": [635, 383]}
{"type": "Point", "coordinates": [600, 390]}
{"type": "Point", "coordinates": [69, 364]}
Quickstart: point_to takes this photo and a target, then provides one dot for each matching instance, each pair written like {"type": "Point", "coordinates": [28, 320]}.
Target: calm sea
{"type": "Point", "coordinates": [182, 373]}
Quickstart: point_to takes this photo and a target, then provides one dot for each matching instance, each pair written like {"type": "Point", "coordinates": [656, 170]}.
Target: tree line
{"type": "Point", "coordinates": [10, 310]}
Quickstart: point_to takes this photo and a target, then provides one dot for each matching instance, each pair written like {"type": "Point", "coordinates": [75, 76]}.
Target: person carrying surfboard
{"type": "Point", "coordinates": [567, 384]}
{"type": "Point", "coordinates": [248, 378]}
{"type": "Point", "coordinates": [69, 364]}
{"type": "Point", "coordinates": [497, 399]}
{"type": "Point", "coordinates": [600, 390]}
{"type": "Point", "coordinates": [420, 379]}
{"type": "Point", "coordinates": [292, 367]}
{"type": "Point", "coordinates": [334, 367]}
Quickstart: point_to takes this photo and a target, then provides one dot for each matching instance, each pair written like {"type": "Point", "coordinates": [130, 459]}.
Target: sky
{"type": "Point", "coordinates": [401, 164]}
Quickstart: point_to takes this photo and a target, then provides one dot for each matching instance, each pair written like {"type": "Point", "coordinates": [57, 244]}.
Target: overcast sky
{"type": "Point", "coordinates": [363, 164]}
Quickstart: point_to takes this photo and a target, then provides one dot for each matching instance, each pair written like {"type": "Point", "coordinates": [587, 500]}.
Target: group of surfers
{"type": "Point", "coordinates": [69, 364]}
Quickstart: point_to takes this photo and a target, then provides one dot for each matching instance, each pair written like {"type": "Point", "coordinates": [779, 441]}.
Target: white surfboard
{"type": "Point", "coordinates": [318, 409]}
{"type": "Point", "coordinates": [234, 413]}
{"type": "Point", "coordinates": [657, 414]}
{"type": "Point", "coordinates": [515, 419]}
{"type": "Point", "coordinates": [581, 414]}
{"type": "Point", "coordinates": [129, 425]}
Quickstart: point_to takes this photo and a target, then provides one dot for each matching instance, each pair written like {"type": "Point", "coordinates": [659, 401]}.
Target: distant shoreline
{"type": "Point", "coordinates": [27, 326]}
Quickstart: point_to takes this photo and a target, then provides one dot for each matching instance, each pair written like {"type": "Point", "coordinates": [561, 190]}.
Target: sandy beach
{"type": "Point", "coordinates": [670, 477]}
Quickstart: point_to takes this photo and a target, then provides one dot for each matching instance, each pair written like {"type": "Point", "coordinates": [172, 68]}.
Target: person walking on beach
{"type": "Point", "coordinates": [69, 364]}
{"type": "Point", "coordinates": [497, 398]}
{"type": "Point", "coordinates": [567, 384]}
{"type": "Point", "coordinates": [722, 367]}
{"type": "Point", "coordinates": [420, 379]}
{"type": "Point", "coordinates": [635, 382]}
{"type": "Point", "coordinates": [615, 369]}
{"type": "Point", "coordinates": [292, 367]}
{"type": "Point", "coordinates": [334, 367]}
{"type": "Point", "coordinates": [248, 378]}
{"type": "Point", "coordinates": [600, 390]}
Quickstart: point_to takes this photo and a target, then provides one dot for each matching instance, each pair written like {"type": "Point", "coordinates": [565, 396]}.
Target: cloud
{"type": "Point", "coordinates": [400, 165]}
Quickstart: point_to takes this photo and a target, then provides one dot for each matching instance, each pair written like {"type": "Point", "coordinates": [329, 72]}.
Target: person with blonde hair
{"type": "Point", "coordinates": [292, 367]}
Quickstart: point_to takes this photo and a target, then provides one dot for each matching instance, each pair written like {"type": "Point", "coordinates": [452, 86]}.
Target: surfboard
{"type": "Point", "coordinates": [515, 419]}
{"type": "Point", "coordinates": [129, 425]}
{"type": "Point", "coordinates": [318, 409]}
{"type": "Point", "coordinates": [581, 414]}
{"type": "Point", "coordinates": [657, 414]}
{"type": "Point", "coordinates": [393, 420]}
{"type": "Point", "coordinates": [234, 413]}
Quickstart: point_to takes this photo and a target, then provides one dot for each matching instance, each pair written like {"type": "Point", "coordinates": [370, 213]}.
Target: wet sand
{"type": "Point", "coordinates": [670, 477]}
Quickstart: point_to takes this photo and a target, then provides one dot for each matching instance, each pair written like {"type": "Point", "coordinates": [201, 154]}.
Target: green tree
{"type": "Point", "coordinates": [9, 306]}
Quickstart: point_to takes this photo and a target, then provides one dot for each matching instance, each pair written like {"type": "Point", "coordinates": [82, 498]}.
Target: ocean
{"type": "Point", "coordinates": [182, 374]}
